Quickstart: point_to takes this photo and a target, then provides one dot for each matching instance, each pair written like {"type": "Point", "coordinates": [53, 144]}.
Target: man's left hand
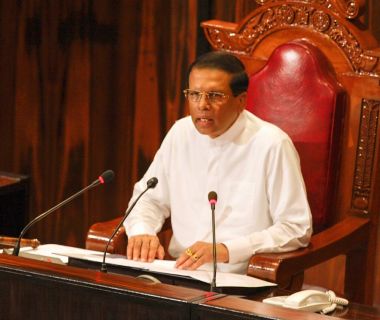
{"type": "Point", "coordinates": [200, 253]}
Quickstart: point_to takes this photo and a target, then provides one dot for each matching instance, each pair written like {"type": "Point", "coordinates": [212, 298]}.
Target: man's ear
{"type": "Point", "coordinates": [242, 98]}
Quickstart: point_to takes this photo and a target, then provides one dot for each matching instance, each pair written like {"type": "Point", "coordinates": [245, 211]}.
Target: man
{"type": "Point", "coordinates": [252, 166]}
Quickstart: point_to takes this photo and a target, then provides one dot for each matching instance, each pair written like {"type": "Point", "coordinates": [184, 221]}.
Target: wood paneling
{"type": "Point", "coordinates": [8, 30]}
{"type": "Point", "coordinates": [88, 86]}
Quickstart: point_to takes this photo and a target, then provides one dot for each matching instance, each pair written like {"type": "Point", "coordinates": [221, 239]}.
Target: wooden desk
{"type": "Point", "coordinates": [31, 289]}
{"type": "Point", "coordinates": [230, 307]}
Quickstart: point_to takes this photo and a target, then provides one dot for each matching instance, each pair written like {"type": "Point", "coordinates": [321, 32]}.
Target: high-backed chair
{"type": "Point", "coordinates": [298, 91]}
{"type": "Point", "coordinates": [343, 195]}
{"type": "Point", "coordinates": [315, 75]}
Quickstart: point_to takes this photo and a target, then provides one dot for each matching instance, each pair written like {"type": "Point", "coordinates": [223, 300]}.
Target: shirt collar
{"type": "Point", "coordinates": [231, 134]}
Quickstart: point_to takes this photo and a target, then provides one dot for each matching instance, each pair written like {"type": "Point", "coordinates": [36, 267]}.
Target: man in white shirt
{"type": "Point", "coordinates": [252, 165]}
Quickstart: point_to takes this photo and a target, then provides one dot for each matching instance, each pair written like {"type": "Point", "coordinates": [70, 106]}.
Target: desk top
{"type": "Point", "coordinates": [10, 179]}
{"type": "Point", "coordinates": [354, 311]}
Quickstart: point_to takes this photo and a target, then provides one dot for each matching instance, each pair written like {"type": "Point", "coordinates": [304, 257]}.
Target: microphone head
{"type": "Point", "coordinates": [152, 182]}
{"type": "Point", "coordinates": [106, 176]}
{"type": "Point", "coordinates": [212, 197]}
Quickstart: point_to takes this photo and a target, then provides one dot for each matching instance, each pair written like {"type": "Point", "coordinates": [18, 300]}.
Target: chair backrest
{"type": "Point", "coordinates": [297, 90]}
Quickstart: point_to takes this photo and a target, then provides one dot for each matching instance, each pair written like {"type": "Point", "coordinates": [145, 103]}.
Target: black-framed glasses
{"type": "Point", "coordinates": [211, 96]}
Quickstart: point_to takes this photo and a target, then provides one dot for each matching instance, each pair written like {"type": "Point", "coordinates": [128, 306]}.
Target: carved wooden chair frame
{"type": "Point", "coordinates": [354, 55]}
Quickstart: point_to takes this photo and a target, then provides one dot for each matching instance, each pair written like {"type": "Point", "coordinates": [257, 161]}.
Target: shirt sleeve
{"type": "Point", "coordinates": [288, 207]}
{"type": "Point", "coordinates": [151, 210]}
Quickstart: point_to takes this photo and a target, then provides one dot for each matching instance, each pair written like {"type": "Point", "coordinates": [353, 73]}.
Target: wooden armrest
{"type": "Point", "coordinates": [99, 233]}
{"type": "Point", "coordinates": [11, 242]}
{"type": "Point", "coordinates": [282, 268]}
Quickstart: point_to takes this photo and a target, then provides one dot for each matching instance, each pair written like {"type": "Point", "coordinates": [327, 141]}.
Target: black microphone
{"type": "Point", "coordinates": [212, 199]}
{"type": "Point", "coordinates": [150, 184]}
{"type": "Point", "coordinates": [105, 177]}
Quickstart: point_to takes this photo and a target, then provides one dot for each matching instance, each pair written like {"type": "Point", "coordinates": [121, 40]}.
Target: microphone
{"type": "Point", "coordinates": [105, 177]}
{"type": "Point", "coordinates": [212, 199]}
{"type": "Point", "coordinates": [150, 184]}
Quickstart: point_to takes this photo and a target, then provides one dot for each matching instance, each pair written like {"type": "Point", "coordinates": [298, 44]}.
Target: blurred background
{"type": "Point", "coordinates": [90, 85]}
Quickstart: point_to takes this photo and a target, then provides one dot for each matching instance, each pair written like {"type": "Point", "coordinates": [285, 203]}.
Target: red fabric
{"type": "Point", "coordinates": [297, 90]}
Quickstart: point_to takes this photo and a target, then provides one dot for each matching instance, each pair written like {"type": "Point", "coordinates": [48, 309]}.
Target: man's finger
{"type": "Point", "coordinates": [160, 254]}
{"type": "Point", "coordinates": [130, 246]}
{"type": "Point", "coordinates": [153, 246]}
{"type": "Point", "coordinates": [144, 249]}
{"type": "Point", "coordinates": [137, 248]}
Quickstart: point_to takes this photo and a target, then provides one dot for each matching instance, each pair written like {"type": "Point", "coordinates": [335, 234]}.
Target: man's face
{"type": "Point", "coordinates": [213, 114]}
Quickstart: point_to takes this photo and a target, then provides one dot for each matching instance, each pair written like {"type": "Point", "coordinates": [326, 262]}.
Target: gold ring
{"type": "Point", "coordinates": [195, 257]}
{"type": "Point", "coordinates": [189, 252]}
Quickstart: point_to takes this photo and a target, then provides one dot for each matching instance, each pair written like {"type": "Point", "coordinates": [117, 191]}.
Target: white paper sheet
{"type": "Point", "coordinates": [60, 254]}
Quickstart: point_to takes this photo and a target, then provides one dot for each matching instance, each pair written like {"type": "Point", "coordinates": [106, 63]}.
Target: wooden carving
{"type": "Point", "coordinates": [327, 17]}
{"type": "Point", "coordinates": [365, 155]}
{"type": "Point", "coordinates": [345, 8]}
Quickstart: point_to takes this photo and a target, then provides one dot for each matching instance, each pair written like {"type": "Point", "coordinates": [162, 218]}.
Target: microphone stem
{"type": "Point", "coordinates": [213, 282]}
{"type": "Point", "coordinates": [16, 249]}
{"type": "Point", "coordinates": [104, 265]}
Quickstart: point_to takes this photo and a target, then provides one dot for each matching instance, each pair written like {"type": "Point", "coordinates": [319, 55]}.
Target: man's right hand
{"type": "Point", "coordinates": [145, 248]}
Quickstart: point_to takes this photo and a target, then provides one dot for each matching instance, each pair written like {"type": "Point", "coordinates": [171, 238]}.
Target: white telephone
{"type": "Point", "coordinates": [309, 300]}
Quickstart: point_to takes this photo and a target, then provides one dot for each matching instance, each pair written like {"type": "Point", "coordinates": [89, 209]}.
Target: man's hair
{"type": "Point", "coordinates": [226, 62]}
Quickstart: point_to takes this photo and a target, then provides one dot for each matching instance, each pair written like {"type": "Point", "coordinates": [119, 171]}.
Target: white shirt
{"type": "Point", "coordinates": [255, 170]}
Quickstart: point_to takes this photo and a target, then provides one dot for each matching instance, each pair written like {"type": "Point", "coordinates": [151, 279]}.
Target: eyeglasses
{"type": "Point", "coordinates": [212, 97]}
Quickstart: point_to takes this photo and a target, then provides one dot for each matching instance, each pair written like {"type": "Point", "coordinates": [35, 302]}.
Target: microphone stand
{"type": "Point", "coordinates": [150, 184]}
{"type": "Point", "coordinates": [16, 249]}
{"type": "Point", "coordinates": [213, 282]}
{"type": "Point", "coordinates": [213, 198]}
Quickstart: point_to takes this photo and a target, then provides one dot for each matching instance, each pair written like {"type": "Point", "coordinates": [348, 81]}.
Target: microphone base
{"type": "Point", "coordinates": [103, 268]}
{"type": "Point", "coordinates": [16, 251]}
{"type": "Point", "coordinates": [213, 286]}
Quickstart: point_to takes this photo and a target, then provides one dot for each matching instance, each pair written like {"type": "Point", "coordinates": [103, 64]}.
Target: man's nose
{"type": "Point", "coordinates": [204, 103]}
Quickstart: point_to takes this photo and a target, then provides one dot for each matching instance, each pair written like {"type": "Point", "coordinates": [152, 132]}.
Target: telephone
{"type": "Point", "coordinates": [309, 300]}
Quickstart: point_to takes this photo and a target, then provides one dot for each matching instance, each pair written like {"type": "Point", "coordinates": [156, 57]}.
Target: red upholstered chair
{"type": "Point", "coordinates": [338, 145]}
{"type": "Point", "coordinates": [315, 75]}
{"type": "Point", "coordinates": [297, 90]}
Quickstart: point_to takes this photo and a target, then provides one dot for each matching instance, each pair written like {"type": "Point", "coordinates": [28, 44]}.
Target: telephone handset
{"type": "Point", "coordinates": [309, 300]}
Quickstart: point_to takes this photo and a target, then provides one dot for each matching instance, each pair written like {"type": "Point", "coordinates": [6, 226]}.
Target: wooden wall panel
{"type": "Point", "coordinates": [165, 51]}
{"type": "Point", "coordinates": [51, 126]}
{"type": "Point", "coordinates": [8, 43]}
{"type": "Point", "coordinates": [89, 86]}
{"type": "Point", "coordinates": [232, 10]}
{"type": "Point", "coordinates": [112, 93]}
{"type": "Point", "coordinates": [376, 295]}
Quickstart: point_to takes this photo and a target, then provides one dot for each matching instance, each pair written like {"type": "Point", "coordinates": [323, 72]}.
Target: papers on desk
{"type": "Point", "coordinates": [49, 252]}
{"type": "Point", "coordinates": [61, 254]}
